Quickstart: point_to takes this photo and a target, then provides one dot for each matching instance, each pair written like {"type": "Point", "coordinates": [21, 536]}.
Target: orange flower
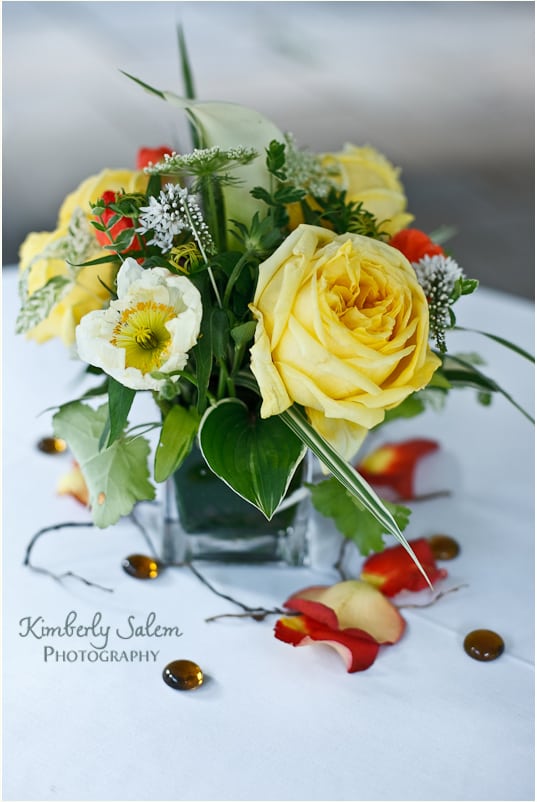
{"type": "Point", "coordinates": [148, 156]}
{"type": "Point", "coordinates": [393, 570]}
{"type": "Point", "coordinates": [394, 465]}
{"type": "Point", "coordinates": [414, 244]}
{"type": "Point", "coordinates": [352, 617]}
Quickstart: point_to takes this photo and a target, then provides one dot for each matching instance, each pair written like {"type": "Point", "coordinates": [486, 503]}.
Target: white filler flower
{"type": "Point", "coordinates": [151, 327]}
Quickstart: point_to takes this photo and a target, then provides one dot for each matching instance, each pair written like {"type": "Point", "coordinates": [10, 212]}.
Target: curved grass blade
{"type": "Point", "coordinates": [506, 343]}
{"type": "Point", "coordinates": [348, 477]}
{"type": "Point", "coordinates": [483, 382]}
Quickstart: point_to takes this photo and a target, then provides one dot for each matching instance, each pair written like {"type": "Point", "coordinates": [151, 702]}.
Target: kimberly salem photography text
{"type": "Point", "coordinates": [101, 642]}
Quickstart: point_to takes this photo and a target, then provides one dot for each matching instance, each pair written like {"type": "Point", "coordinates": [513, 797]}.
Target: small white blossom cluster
{"type": "Point", "coordinates": [203, 161]}
{"type": "Point", "coordinates": [75, 246]}
{"type": "Point", "coordinates": [305, 171]}
{"type": "Point", "coordinates": [437, 276]}
{"type": "Point", "coordinates": [174, 211]}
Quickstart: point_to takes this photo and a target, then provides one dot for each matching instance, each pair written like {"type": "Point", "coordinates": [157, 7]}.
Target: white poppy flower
{"type": "Point", "coordinates": [151, 326]}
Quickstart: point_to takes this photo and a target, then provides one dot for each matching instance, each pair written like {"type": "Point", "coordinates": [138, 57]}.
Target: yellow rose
{"type": "Point", "coordinates": [37, 256]}
{"type": "Point", "coordinates": [369, 177]}
{"type": "Point", "coordinates": [342, 329]}
{"type": "Point", "coordinates": [93, 187]}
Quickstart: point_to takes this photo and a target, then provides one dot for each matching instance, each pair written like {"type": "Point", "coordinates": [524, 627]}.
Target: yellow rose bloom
{"type": "Point", "coordinates": [342, 329]}
{"type": "Point", "coordinates": [369, 178]}
{"type": "Point", "coordinates": [87, 293]}
{"type": "Point", "coordinates": [93, 188]}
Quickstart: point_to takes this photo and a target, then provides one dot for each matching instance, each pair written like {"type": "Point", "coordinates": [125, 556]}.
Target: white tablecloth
{"type": "Point", "coordinates": [425, 722]}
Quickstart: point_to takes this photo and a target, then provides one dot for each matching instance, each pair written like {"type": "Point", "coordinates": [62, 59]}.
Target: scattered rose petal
{"type": "Point", "coordinates": [394, 465]}
{"type": "Point", "coordinates": [73, 484]}
{"type": "Point", "coordinates": [352, 617]}
{"type": "Point", "coordinates": [357, 649]}
{"type": "Point", "coordinates": [415, 244]}
{"type": "Point", "coordinates": [393, 570]}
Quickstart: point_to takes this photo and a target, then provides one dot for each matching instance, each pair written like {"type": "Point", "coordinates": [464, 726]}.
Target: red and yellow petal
{"type": "Point", "coordinates": [353, 604]}
{"type": "Point", "coordinates": [393, 570]}
{"type": "Point", "coordinates": [357, 649]}
{"type": "Point", "coordinates": [73, 484]}
{"type": "Point", "coordinates": [394, 465]}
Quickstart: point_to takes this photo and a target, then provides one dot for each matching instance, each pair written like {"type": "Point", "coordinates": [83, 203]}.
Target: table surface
{"type": "Point", "coordinates": [425, 722]}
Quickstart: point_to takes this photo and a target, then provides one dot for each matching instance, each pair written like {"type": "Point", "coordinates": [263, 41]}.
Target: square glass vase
{"type": "Point", "coordinates": [205, 520]}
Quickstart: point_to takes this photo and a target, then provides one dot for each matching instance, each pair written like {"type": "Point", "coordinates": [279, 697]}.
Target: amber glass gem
{"type": "Point", "coordinates": [444, 547]}
{"type": "Point", "coordinates": [183, 675]}
{"type": "Point", "coordinates": [484, 645]}
{"type": "Point", "coordinates": [52, 445]}
{"type": "Point", "coordinates": [141, 567]}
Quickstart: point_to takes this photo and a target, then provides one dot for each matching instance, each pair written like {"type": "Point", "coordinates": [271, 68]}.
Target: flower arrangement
{"type": "Point", "coordinates": [271, 300]}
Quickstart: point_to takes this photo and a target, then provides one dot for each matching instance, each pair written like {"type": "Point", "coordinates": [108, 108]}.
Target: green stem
{"type": "Point", "coordinates": [213, 203]}
{"type": "Point", "coordinates": [235, 273]}
{"type": "Point", "coordinates": [223, 378]}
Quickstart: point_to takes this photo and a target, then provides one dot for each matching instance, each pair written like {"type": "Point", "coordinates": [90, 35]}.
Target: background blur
{"type": "Point", "coordinates": [445, 90]}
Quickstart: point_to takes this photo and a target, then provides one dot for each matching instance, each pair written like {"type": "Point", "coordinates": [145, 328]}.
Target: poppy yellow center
{"type": "Point", "coordinates": [142, 332]}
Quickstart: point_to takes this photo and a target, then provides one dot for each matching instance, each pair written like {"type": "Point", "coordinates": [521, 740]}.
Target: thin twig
{"type": "Point", "coordinates": [206, 582]}
{"type": "Point", "coordinates": [433, 601]}
{"type": "Point", "coordinates": [66, 574]}
{"type": "Point", "coordinates": [427, 496]}
{"type": "Point", "coordinates": [338, 565]}
{"type": "Point", "coordinates": [258, 614]}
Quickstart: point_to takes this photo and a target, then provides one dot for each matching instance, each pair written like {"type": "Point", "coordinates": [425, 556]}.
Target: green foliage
{"type": "Point", "coordinates": [347, 216]}
{"type": "Point", "coordinates": [117, 476]}
{"type": "Point", "coordinates": [176, 439]}
{"type": "Point", "coordinates": [256, 458]}
{"type": "Point", "coordinates": [354, 522]}
{"type": "Point", "coordinates": [120, 400]}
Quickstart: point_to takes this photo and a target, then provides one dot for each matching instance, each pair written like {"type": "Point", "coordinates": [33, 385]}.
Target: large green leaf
{"type": "Point", "coordinates": [256, 458]}
{"type": "Point", "coordinates": [176, 438]}
{"type": "Point", "coordinates": [117, 477]}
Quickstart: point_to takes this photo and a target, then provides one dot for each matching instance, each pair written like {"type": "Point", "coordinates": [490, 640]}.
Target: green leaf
{"type": "Point", "coordinates": [348, 476]}
{"type": "Point", "coordinates": [219, 327]}
{"type": "Point", "coordinates": [409, 408]}
{"type": "Point", "coordinates": [203, 355]}
{"type": "Point", "coordinates": [331, 499]}
{"type": "Point", "coordinates": [244, 333]}
{"type": "Point", "coordinates": [40, 303]}
{"type": "Point", "coordinates": [506, 343]}
{"type": "Point", "coordinates": [120, 400]}
{"type": "Point", "coordinates": [256, 458]}
{"type": "Point", "coordinates": [117, 477]}
{"type": "Point", "coordinates": [176, 438]}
